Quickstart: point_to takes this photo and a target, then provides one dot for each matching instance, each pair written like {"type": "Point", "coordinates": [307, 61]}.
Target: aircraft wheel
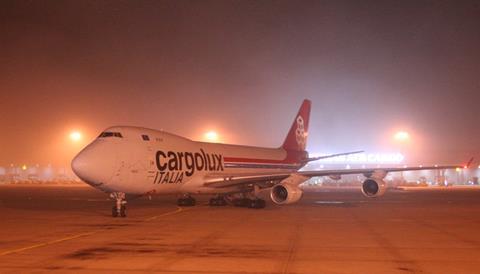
{"type": "Point", "coordinates": [222, 202]}
{"type": "Point", "coordinates": [186, 202]}
{"type": "Point", "coordinates": [257, 203]}
{"type": "Point", "coordinates": [260, 203]}
{"type": "Point", "coordinates": [213, 202]}
{"type": "Point", "coordinates": [242, 202]}
{"type": "Point", "coordinates": [217, 201]}
{"type": "Point", "coordinates": [114, 211]}
{"type": "Point", "coordinates": [237, 202]}
{"type": "Point", "coordinates": [123, 211]}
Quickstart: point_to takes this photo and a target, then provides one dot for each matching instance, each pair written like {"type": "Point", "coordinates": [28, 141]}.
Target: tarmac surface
{"type": "Point", "coordinates": [69, 229]}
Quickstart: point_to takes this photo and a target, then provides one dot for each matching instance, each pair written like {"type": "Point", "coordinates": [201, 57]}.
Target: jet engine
{"type": "Point", "coordinates": [283, 194]}
{"type": "Point", "coordinates": [374, 187]}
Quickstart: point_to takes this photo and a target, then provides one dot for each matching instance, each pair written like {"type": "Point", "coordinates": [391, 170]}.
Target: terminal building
{"type": "Point", "coordinates": [37, 174]}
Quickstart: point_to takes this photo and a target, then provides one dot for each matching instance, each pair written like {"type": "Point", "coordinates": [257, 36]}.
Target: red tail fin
{"type": "Point", "coordinates": [297, 136]}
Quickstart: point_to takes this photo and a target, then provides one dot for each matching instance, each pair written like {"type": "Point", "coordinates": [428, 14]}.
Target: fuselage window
{"type": "Point", "coordinates": [145, 138]}
{"type": "Point", "coordinates": [106, 134]}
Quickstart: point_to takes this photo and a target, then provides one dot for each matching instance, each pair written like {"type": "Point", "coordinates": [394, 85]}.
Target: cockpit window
{"type": "Point", "coordinates": [110, 134]}
{"type": "Point", "coordinates": [145, 138]}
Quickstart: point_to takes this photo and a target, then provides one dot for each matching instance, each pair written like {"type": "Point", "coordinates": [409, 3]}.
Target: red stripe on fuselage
{"type": "Point", "coordinates": [260, 161]}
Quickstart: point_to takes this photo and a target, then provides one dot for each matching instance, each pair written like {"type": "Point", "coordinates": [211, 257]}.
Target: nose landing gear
{"type": "Point", "coordinates": [119, 209]}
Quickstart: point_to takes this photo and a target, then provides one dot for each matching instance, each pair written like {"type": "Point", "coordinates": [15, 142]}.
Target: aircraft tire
{"type": "Point", "coordinates": [217, 202]}
{"type": "Point", "coordinates": [213, 202]}
{"type": "Point", "coordinates": [181, 202]}
{"type": "Point", "coordinates": [242, 202]}
{"type": "Point", "coordinates": [186, 202]}
{"type": "Point", "coordinates": [257, 203]}
{"type": "Point", "coordinates": [114, 212]}
{"type": "Point", "coordinates": [123, 211]}
{"type": "Point", "coordinates": [260, 203]}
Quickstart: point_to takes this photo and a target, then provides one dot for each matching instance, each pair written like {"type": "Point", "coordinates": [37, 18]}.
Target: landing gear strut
{"type": "Point", "coordinates": [186, 200]}
{"type": "Point", "coordinates": [120, 208]}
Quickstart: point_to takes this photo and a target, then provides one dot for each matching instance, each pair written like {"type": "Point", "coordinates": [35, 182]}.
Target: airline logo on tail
{"type": "Point", "coordinates": [301, 136]}
{"type": "Point", "coordinates": [296, 140]}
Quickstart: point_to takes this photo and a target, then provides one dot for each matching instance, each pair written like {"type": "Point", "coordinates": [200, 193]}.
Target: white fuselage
{"type": "Point", "coordinates": [140, 161]}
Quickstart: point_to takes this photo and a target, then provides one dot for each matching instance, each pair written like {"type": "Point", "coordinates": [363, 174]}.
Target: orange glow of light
{"type": "Point", "coordinates": [24, 167]}
{"type": "Point", "coordinates": [458, 169]}
{"type": "Point", "coordinates": [211, 136]}
{"type": "Point", "coordinates": [75, 136]}
{"type": "Point", "coordinates": [402, 136]}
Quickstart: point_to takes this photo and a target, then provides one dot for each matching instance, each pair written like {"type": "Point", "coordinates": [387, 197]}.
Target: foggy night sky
{"type": "Point", "coordinates": [242, 68]}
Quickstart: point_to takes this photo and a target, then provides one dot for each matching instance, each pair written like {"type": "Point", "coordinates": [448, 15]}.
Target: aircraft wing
{"type": "Point", "coordinates": [221, 181]}
{"type": "Point", "coordinates": [370, 171]}
{"type": "Point", "coordinates": [332, 156]}
{"type": "Point", "coordinates": [235, 180]}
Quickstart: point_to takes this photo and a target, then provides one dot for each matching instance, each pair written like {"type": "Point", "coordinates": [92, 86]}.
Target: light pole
{"type": "Point", "coordinates": [402, 138]}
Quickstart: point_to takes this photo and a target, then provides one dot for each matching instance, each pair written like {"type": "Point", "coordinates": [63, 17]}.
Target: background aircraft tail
{"type": "Point", "coordinates": [296, 140]}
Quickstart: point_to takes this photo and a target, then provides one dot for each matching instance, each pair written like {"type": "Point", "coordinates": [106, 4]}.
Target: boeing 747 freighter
{"type": "Point", "coordinates": [127, 161]}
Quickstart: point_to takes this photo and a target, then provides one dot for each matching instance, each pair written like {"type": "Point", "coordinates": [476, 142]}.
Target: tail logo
{"type": "Point", "coordinates": [300, 133]}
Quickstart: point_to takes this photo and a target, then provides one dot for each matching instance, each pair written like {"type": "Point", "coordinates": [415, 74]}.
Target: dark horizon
{"type": "Point", "coordinates": [242, 68]}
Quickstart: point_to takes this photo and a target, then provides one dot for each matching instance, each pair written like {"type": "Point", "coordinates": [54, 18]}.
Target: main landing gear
{"type": "Point", "coordinates": [218, 201]}
{"type": "Point", "coordinates": [186, 200]}
{"type": "Point", "coordinates": [249, 200]}
{"type": "Point", "coordinates": [250, 203]}
{"type": "Point", "coordinates": [120, 208]}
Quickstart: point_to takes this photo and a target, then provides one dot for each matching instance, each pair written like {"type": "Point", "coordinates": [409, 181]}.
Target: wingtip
{"type": "Point", "coordinates": [469, 163]}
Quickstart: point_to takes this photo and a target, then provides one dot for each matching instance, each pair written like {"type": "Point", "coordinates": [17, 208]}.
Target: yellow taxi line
{"type": "Point", "coordinates": [178, 210]}
{"type": "Point", "coordinates": [47, 243]}
{"type": "Point", "coordinates": [21, 249]}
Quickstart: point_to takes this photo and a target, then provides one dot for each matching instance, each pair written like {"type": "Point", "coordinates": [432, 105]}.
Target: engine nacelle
{"type": "Point", "coordinates": [374, 187]}
{"type": "Point", "coordinates": [283, 194]}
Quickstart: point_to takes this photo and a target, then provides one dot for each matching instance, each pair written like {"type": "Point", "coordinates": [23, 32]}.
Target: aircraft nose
{"type": "Point", "coordinates": [81, 163]}
{"type": "Point", "coordinates": [95, 164]}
